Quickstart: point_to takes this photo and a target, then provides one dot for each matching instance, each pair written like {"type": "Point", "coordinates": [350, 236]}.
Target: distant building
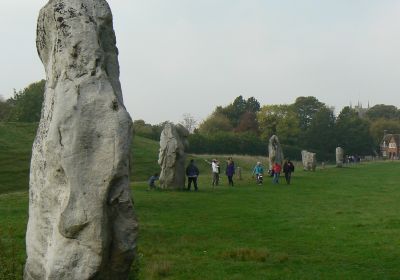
{"type": "Point", "coordinates": [390, 146]}
{"type": "Point", "coordinates": [360, 110]}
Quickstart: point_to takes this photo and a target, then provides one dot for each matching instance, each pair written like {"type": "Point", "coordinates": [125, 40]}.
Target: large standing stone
{"type": "Point", "coordinates": [81, 220]}
{"type": "Point", "coordinates": [171, 159]}
{"type": "Point", "coordinates": [275, 153]}
{"type": "Point", "coordinates": [339, 156]}
{"type": "Point", "coordinates": [309, 160]}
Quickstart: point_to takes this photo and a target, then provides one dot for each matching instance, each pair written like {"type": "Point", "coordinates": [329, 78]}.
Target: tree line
{"type": "Point", "coordinates": [25, 105]}
{"type": "Point", "coordinates": [244, 126]}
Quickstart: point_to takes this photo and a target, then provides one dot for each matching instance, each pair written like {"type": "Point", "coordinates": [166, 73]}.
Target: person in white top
{"type": "Point", "coordinates": [215, 171]}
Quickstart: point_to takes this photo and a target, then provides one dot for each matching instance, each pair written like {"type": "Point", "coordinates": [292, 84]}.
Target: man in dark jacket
{"type": "Point", "coordinates": [192, 172]}
{"type": "Point", "coordinates": [288, 168]}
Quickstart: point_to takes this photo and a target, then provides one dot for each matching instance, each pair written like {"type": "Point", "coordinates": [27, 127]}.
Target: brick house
{"type": "Point", "coordinates": [390, 146]}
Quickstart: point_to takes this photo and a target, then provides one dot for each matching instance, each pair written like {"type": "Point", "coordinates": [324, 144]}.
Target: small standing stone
{"type": "Point", "coordinates": [171, 158]}
{"type": "Point", "coordinates": [239, 172]}
{"type": "Point", "coordinates": [339, 157]}
{"type": "Point", "coordinates": [309, 160]}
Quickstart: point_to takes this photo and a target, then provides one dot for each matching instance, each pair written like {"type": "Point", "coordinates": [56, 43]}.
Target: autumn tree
{"type": "Point", "coordinates": [247, 123]}
{"type": "Point", "coordinates": [216, 122]}
{"type": "Point", "coordinates": [279, 120]}
{"type": "Point", "coordinates": [237, 108]}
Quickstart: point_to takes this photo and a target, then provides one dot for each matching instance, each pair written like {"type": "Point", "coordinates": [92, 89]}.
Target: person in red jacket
{"type": "Point", "coordinates": [277, 171]}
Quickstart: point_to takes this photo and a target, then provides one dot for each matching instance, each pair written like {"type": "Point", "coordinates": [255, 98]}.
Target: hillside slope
{"type": "Point", "coordinates": [15, 152]}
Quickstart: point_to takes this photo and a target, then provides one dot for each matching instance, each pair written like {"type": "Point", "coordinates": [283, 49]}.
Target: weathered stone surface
{"type": "Point", "coordinates": [339, 156]}
{"type": "Point", "coordinates": [309, 160]}
{"type": "Point", "coordinates": [275, 153]}
{"type": "Point", "coordinates": [171, 159]}
{"type": "Point", "coordinates": [81, 220]}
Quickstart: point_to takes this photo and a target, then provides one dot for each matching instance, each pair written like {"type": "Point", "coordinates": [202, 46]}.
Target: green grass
{"type": "Point", "coordinates": [330, 224]}
{"type": "Point", "coordinates": [15, 153]}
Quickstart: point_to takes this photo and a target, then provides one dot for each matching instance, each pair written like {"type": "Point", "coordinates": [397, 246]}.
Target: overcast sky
{"type": "Point", "coordinates": [186, 56]}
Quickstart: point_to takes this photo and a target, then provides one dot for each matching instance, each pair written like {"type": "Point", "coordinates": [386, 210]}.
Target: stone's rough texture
{"type": "Point", "coordinates": [173, 142]}
{"type": "Point", "coordinates": [275, 153]}
{"type": "Point", "coordinates": [339, 156]}
{"type": "Point", "coordinates": [309, 160]}
{"type": "Point", "coordinates": [81, 220]}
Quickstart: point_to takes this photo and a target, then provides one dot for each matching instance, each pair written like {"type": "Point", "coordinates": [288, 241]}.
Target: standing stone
{"type": "Point", "coordinates": [171, 158]}
{"type": "Point", "coordinates": [275, 153]}
{"type": "Point", "coordinates": [339, 157]}
{"type": "Point", "coordinates": [309, 160]}
{"type": "Point", "coordinates": [81, 220]}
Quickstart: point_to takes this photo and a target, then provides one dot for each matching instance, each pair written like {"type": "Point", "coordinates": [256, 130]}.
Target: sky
{"type": "Point", "coordinates": [187, 57]}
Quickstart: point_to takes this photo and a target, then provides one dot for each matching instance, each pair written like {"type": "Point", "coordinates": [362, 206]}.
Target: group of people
{"type": "Point", "coordinates": [274, 172]}
{"type": "Point", "coordinates": [216, 170]}
{"type": "Point", "coordinates": [192, 173]}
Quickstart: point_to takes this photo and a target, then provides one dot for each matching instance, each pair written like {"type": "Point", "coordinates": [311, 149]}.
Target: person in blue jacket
{"type": "Point", "coordinates": [258, 171]}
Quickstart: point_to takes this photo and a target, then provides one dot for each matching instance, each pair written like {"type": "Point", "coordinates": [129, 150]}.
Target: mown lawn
{"type": "Point", "coordinates": [331, 224]}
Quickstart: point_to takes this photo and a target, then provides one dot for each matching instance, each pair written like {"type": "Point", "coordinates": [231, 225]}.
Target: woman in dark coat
{"type": "Point", "coordinates": [230, 170]}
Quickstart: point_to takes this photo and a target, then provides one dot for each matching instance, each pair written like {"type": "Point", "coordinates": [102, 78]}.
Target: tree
{"type": "Point", "coordinates": [379, 126]}
{"type": "Point", "coordinates": [352, 133]}
{"type": "Point", "coordinates": [237, 108]}
{"type": "Point", "coordinates": [248, 123]}
{"type": "Point", "coordinates": [252, 105]}
{"type": "Point", "coordinates": [4, 109]}
{"type": "Point", "coordinates": [306, 108]}
{"type": "Point", "coordinates": [215, 123]}
{"type": "Point", "coordinates": [275, 119]}
{"type": "Point", "coordinates": [288, 129]}
{"type": "Point", "coordinates": [141, 128]}
{"type": "Point", "coordinates": [321, 133]}
{"type": "Point", "coordinates": [26, 105]}
{"type": "Point", "coordinates": [189, 122]}
{"type": "Point", "coordinates": [382, 111]}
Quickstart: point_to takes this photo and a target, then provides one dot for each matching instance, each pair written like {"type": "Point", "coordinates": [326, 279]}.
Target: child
{"type": "Point", "coordinates": [277, 171]}
{"type": "Point", "coordinates": [152, 181]}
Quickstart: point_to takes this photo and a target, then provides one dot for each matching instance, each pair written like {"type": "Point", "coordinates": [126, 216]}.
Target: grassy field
{"type": "Point", "coordinates": [331, 224]}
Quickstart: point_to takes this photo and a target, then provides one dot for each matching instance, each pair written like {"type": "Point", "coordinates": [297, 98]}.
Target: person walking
{"type": "Point", "coordinates": [192, 172]}
{"type": "Point", "coordinates": [277, 171]}
{"type": "Point", "coordinates": [288, 168]}
{"type": "Point", "coordinates": [215, 171]}
{"type": "Point", "coordinates": [152, 180]}
{"type": "Point", "coordinates": [230, 171]}
{"type": "Point", "coordinates": [258, 171]}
